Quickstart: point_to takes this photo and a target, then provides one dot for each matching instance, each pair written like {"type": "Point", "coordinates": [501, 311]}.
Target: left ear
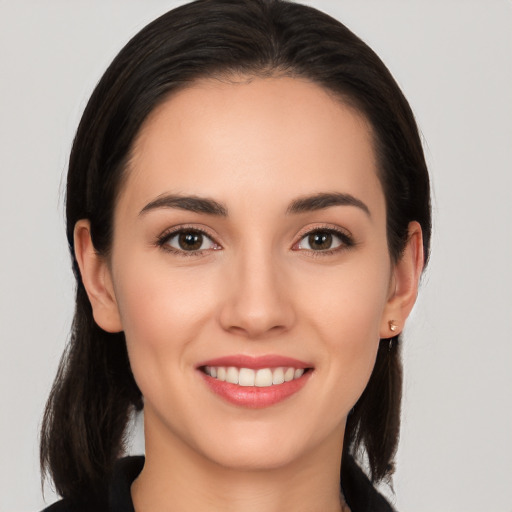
{"type": "Point", "coordinates": [404, 284]}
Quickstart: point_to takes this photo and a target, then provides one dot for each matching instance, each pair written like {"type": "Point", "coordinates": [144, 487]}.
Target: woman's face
{"type": "Point", "coordinates": [250, 238]}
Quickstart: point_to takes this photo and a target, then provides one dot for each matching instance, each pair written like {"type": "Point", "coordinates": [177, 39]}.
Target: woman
{"type": "Point", "coordinates": [248, 215]}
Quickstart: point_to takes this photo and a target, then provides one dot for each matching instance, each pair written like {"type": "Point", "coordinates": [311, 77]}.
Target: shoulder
{"type": "Point", "coordinates": [68, 506]}
{"type": "Point", "coordinates": [119, 498]}
{"type": "Point", "coordinates": [60, 506]}
{"type": "Point", "coordinates": [359, 492]}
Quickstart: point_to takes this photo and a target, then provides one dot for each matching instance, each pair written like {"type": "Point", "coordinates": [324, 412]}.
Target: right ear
{"type": "Point", "coordinates": [97, 279]}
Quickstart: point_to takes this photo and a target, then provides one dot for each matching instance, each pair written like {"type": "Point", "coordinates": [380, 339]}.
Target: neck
{"type": "Point", "coordinates": [176, 477]}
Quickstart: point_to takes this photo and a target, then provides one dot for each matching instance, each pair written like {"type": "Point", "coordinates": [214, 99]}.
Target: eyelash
{"type": "Point", "coordinates": [164, 238]}
{"type": "Point", "coordinates": [345, 238]}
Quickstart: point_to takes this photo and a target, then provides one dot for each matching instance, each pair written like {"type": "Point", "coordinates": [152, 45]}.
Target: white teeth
{"type": "Point", "coordinates": [248, 377]}
{"type": "Point", "coordinates": [278, 376]}
{"type": "Point", "coordinates": [221, 373]}
{"type": "Point", "coordinates": [289, 374]}
{"type": "Point", "coordinates": [232, 375]}
{"type": "Point", "coordinates": [263, 378]}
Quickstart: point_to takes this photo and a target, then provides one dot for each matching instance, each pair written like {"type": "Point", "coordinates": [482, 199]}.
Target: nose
{"type": "Point", "coordinates": [258, 301]}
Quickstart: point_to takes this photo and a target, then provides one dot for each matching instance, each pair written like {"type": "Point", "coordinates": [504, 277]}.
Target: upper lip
{"type": "Point", "coordinates": [256, 362]}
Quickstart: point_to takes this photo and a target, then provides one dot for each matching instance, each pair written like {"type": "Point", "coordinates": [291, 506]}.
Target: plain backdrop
{"type": "Point", "coordinates": [453, 60]}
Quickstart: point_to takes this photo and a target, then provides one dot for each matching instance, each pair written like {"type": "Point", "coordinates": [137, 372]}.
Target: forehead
{"type": "Point", "coordinates": [267, 138]}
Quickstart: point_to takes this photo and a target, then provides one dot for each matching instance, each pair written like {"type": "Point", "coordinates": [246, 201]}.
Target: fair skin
{"type": "Point", "coordinates": [249, 281]}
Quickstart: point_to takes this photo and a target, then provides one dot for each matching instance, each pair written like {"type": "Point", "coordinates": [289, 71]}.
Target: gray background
{"type": "Point", "coordinates": [453, 60]}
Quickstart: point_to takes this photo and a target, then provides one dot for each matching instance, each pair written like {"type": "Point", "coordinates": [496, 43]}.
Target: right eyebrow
{"type": "Point", "coordinates": [324, 200]}
{"type": "Point", "coordinates": [190, 203]}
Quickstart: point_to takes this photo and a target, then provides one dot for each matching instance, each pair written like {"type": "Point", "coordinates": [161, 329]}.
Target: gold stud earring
{"type": "Point", "coordinates": [392, 326]}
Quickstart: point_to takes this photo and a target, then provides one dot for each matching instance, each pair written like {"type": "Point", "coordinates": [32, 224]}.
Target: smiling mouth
{"type": "Point", "coordinates": [248, 377]}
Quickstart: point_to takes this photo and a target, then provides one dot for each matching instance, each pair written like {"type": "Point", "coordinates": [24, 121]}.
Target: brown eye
{"type": "Point", "coordinates": [320, 241]}
{"type": "Point", "coordinates": [324, 240]}
{"type": "Point", "coordinates": [188, 241]}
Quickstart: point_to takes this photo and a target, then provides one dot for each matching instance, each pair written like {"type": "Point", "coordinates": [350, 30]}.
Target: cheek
{"type": "Point", "coordinates": [349, 300]}
{"type": "Point", "coordinates": [347, 316]}
{"type": "Point", "coordinates": [157, 296]}
{"type": "Point", "coordinates": [162, 311]}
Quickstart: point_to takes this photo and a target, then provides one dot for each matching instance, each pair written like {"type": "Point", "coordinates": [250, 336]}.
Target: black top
{"type": "Point", "coordinates": [359, 493]}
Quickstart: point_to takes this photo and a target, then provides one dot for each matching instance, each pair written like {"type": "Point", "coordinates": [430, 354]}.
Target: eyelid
{"type": "Point", "coordinates": [346, 237]}
{"type": "Point", "coordinates": [163, 239]}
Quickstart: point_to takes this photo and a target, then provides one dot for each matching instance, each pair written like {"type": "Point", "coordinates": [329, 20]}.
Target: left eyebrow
{"type": "Point", "coordinates": [189, 203]}
{"type": "Point", "coordinates": [325, 200]}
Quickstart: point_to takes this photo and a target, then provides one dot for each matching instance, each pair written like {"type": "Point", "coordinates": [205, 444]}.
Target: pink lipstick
{"type": "Point", "coordinates": [255, 382]}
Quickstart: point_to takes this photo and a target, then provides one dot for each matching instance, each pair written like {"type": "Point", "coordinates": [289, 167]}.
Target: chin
{"type": "Point", "coordinates": [240, 457]}
{"type": "Point", "coordinates": [261, 447]}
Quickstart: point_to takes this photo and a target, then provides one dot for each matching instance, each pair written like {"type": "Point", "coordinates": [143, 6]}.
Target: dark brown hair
{"type": "Point", "coordinates": [94, 392]}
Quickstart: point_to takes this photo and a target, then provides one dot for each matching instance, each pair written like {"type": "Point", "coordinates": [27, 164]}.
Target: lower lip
{"type": "Point", "coordinates": [254, 397]}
